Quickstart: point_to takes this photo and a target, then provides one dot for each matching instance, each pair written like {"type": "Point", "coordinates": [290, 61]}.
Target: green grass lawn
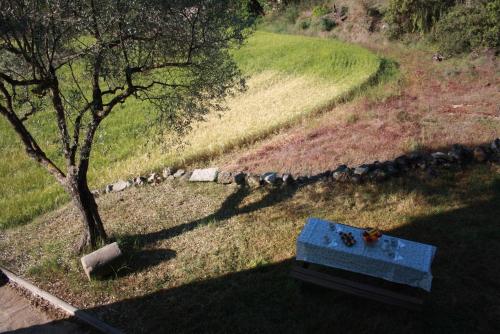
{"type": "Point", "coordinates": [213, 258]}
{"type": "Point", "coordinates": [289, 77]}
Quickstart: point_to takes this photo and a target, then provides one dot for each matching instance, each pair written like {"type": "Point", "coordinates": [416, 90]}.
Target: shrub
{"type": "Point", "coordinates": [466, 28]}
{"type": "Point", "coordinates": [327, 24]}
{"type": "Point", "coordinates": [410, 16]}
{"type": "Point", "coordinates": [344, 10]}
{"type": "Point", "coordinates": [305, 24]}
{"type": "Point", "coordinates": [492, 31]}
{"type": "Point", "coordinates": [321, 10]}
{"type": "Point", "coordinates": [291, 14]}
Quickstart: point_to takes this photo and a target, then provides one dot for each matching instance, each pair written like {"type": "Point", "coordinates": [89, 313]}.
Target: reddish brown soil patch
{"type": "Point", "coordinates": [439, 104]}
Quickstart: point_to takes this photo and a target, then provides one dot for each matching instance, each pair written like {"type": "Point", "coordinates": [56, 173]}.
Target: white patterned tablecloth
{"type": "Point", "coordinates": [393, 259]}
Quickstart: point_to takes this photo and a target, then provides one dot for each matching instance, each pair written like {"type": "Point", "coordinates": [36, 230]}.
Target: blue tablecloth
{"type": "Point", "coordinates": [393, 259]}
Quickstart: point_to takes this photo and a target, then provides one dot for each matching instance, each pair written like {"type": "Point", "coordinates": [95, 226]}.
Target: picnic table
{"type": "Point", "coordinates": [390, 258]}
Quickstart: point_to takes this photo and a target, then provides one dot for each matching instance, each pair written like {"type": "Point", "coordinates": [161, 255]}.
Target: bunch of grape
{"type": "Point", "coordinates": [348, 239]}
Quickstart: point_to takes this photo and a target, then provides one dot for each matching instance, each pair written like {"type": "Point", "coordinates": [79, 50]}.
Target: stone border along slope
{"type": "Point", "coordinates": [375, 172]}
{"type": "Point", "coordinates": [60, 304]}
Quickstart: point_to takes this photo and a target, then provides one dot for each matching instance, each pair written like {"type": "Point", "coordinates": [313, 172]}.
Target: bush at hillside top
{"type": "Point", "coordinates": [344, 10]}
{"type": "Point", "coordinates": [305, 24]}
{"type": "Point", "coordinates": [321, 10]}
{"type": "Point", "coordinates": [327, 24]}
{"type": "Point", "coordinates": [466, 28]}
{"type": "Point", "coordinates": [291, 13]}
{"type": "Point", "coordinates": [410, 16]}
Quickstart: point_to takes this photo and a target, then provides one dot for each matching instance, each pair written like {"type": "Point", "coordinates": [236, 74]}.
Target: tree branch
{"type": "Point", "coordinates": [31, 146]}
{"type": "Point", "coordinates": [14, 82]}
{"type": "Point", "coordinates": [61, 117]}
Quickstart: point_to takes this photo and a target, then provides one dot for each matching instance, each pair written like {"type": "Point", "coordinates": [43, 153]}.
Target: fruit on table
{"type": "Point", "coordinates": [347, 238]}
{"type": "Point", "coordinates": [371, 235]}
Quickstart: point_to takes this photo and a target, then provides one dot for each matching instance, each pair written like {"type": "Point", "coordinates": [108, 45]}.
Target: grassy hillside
{"type": "Point", "coordinates": [289, 77]}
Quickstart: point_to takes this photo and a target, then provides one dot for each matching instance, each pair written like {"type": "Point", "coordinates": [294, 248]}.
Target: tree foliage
{"type": "Point", "coordinates": [466, 28]}
{"type": "Point", "coordinates": [74, 61]}
{"type": "Point", "coordinates": [410, 16]}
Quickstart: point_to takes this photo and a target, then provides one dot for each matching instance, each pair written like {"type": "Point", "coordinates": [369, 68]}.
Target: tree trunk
{"type": "Point", "coordinates": [93, 229]}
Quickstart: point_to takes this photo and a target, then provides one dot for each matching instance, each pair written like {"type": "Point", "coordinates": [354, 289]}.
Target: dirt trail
{"type": "Point", "coordinates": [17, 315]}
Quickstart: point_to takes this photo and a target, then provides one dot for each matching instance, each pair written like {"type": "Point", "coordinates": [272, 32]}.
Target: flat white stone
{"type": "Point", "coordinates": [204, 175]}
{"type": "Point", "coordinates": [120, 185]}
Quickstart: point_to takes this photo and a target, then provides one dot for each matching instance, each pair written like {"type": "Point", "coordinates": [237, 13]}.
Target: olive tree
{"type": "Point", "coordinates": [74, 61]}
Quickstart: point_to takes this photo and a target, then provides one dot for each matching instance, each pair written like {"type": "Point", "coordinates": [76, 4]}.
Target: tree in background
{"type": "Point", "coordinates": [457, 25]}
{"type": "Point", "coordinates": [74, 61]}
{"type": "Point", "coordinates": [468, 27]}
{"type": "Point", "coordinates": [410, 16]}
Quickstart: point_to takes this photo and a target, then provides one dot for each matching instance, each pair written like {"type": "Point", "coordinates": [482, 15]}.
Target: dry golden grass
{"type": "Point", "coordinates": [289, 77]}
{"type": "Point", "coordinates": [273, 100]}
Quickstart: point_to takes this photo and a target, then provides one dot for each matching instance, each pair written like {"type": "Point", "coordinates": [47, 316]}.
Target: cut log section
{"type": "Point", "coordinates": [102, 262]}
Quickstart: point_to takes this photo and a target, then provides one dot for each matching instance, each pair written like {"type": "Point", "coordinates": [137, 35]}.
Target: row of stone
{"type": "Point", "coordinates": [379, 171]}
{"type": "Point", "coordinates": [376, 171]}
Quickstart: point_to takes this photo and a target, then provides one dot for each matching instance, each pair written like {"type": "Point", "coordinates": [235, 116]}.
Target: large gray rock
{"type": "Point", "coordinates": [287, 179]}
{"type": "Point", "coordinates": [204, 175]}
{"type": "Point", "coordinates": [480, 154]}
{"type": "Point", "coordinates": [341, 174]}
{"type": "Point", "coordinates": [495, 145]}
{"type": "Point", "coordinates": [440, 158]}
{"type": "Point", "coordinates": [139, 180]}
{"type": "Point", "coordinates": [102, 262]}
{"type": "Point", "coordinates": [440, 155]}
{"type": "Point", "coordinates": [253, 181]}
{"type": "Point", "coordinates": [390, 167]}
{"type": "Point", "coordinates": [459, 153]}
{"type": "Point", "coordinates": [225, 177]}
{"type": "Point", "coordinates": [167, 171]}
{"type": "Point", "coordinates": [120, 186]}
{"type": "Point", "coordinates": [179, 173]}
{"type": "Point", "coordinates": [302, 179]}
{"type": "Point", "coordinates": [362, 170]}
{"type": "Point", "coordinates": [421, 164]}
{"type": "Point", "coordinates": [154, 178]}
{"type": "Point", "coordinates": [186, 176]}
{"type": "Point", "coordinates": [378, 175]}
{"type": "Point", "coordinates": [270, 178]}
{"type": "Point", "coordinates": [356, 178]}
{"type": "Point", "coordinates": [239, 178]}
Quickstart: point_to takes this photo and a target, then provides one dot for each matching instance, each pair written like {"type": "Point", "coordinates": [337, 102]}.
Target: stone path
{"type": "Point", "coordinates": [18, 316]}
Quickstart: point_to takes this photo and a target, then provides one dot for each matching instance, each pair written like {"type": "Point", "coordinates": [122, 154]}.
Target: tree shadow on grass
{"type": "Point", "coordinates": [464, 299]}
{"type": "Point", "coordinates": [3, 279]}
{"type": "Point", "coordinates": [139, 260]}
{"type": "Point", "coordinates": [465, 295]}
{"type": "Point", "coordinates": [229, 208]}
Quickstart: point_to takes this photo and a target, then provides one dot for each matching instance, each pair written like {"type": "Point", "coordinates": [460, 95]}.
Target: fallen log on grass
{"type": "Point", "coordinates": [102, 262]}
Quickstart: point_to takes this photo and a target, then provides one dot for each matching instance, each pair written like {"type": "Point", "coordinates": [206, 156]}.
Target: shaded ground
{"type": "Point", "coordinates": [436, 104]}
{"type": "Point", "coordinates": [17, 315]}
{"type": "Point", "coordinates": [212, 258]}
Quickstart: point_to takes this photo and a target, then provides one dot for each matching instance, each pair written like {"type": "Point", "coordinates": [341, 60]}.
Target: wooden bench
{"type": "Point", "coordinates": [321, 276]}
